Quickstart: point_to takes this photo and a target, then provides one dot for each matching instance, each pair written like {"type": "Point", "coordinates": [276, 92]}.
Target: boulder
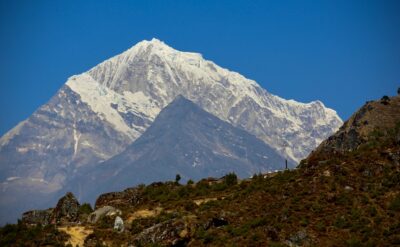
{"type": "Point", "coordinates": [102, 212]}
{"type": "Point", "coordinates": [215, 222]}
{"type": "Point", "coordinates": [119, 224]}
{"type": "Point", "coordinates": [66, 210]}
{"type": "Point", "coordinates": [300, 238]}
{"type": "Point", "coordinates": [168, 233]}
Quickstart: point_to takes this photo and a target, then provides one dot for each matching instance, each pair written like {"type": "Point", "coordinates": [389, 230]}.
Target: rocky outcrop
{"type": "Point", "coordinates": [67, 209]}
{"type": "Point", "coordinates": [169, 233]}
{"type": "Point", "coordinates": [38, 217]}
{"type": "Point", "coordinates": [130, 196]}
{"type": "Point", "coordinates": [372, 120]}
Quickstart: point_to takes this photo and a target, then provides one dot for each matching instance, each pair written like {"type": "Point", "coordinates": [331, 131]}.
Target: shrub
{"type": "Point", "coordinates": [85, 208]}
{"type": "Point", "coordinates": [394, 205]}
{"type": "Point", "coordinates": [385, 100]}
{"type": "Point", "coordinates": [341, 222]}
{"type": "Point", "coordinates": [320, 226]}
{"type": "Point", "coordinates": [353, 242]}
{"type": "Point", "coordinates": [230, 179]}
{"type": "Point", "coordinates": [177, 178]}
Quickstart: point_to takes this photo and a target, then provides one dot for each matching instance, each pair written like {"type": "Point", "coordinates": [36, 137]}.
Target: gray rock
{"type": "Point", "coordinates": [119, 224]}
{"type": "Point", "coordinates": [66, 210]}
{"type": "Point", "coordinates": [298, 239]}
{"type": "Point", "coordinates": [35, 217]}
{"type": "Point", "coordinates": [103, 212]}
{"type": "Point", "coordinates": [165, 233]}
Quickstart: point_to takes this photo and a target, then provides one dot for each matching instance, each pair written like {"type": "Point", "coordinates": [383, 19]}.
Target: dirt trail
{"type": "Point", "coordinates": [77, 234]}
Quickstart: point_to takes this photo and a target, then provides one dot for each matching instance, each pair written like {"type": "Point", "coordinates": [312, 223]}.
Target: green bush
{"type": "Point", "coordinates": [230, 179]}
{"type": "Point", "coordinates": [341, 222]}
{"type": "Point", "coordinates": [394, 205]}
{"type": "Point", "coordinates": [85, 208]}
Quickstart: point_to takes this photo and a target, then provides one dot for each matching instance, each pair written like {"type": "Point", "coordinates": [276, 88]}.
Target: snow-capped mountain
{"type": "Point", "coordinates": [97, 114]}
{"type": "Point", "coordinates": [183, 139]}
{"type": "Point", "coordinates": [130, 89]}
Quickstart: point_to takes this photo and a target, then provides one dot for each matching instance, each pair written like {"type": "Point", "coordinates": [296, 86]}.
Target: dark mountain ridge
{"type": "Point", "coordinates": [184, 139]}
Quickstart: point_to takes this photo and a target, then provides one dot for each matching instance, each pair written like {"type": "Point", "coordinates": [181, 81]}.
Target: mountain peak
{"type": "Point", "coordinates": [154, 45]}
{"type": "Point", "coordinates": [151, 74]}
{"type": "Point", "coordinates": [153, 41]}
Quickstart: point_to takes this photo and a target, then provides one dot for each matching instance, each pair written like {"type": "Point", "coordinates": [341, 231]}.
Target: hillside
{"type": "Point", "coordinates": [338, 196]}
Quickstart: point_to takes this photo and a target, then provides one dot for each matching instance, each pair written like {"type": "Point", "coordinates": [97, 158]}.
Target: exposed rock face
{"type": "Point", "coordinates": [106, 211]}
{"type": "Point", "coordinates": [373, 117]}
{"type": "Point", "coordinates": [67, 209]}
{"type": "Point", "coordinates": [35, 217]}
{"type": "Point", "coordinates": [131, 196]}
{"type": "Point", "coordinates": [166, 233]}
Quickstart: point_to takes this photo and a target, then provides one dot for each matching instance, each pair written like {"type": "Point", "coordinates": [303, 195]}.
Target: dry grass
{"type": "Point", "coordinates": [144, 213]}
{"type": "Point", "coordinates": [77, 234]}
{"type": "Point", "coordinates": [204, 200]}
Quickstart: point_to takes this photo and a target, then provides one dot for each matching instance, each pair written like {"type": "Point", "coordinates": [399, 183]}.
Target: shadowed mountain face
{"type": "Point", "coordinates": [185, 140]}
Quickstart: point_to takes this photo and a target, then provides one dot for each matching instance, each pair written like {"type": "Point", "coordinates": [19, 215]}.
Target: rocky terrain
{"type": "Point", "coordinates": [346, 193]}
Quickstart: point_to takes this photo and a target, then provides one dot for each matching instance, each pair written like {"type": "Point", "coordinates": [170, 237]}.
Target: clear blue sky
{"type": "Point", "coordinates": [340, 52]}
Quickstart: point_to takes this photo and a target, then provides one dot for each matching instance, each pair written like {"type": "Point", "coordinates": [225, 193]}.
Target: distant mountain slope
{"type": "Point", "coordinates": [97, 114]}
{"type": "Point", "coordinates": [183, 139]}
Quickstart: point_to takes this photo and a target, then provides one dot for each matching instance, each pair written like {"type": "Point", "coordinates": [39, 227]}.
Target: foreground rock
{"type": "Point", "coordinates": [119, 224]}
{"type": "Point", "coordinates": [36, 217]}
{"type": "Point", "coordinates": [106, 211]}
{"type": "Point", "coordinates": [169, 233]}
{"type": "Point", "coordinates": [66, 211]}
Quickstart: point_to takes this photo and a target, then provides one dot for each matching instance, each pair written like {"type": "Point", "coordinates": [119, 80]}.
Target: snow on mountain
{"type": "Point", "coordinates": [144, 79]}
{"type": "Point", "coordinates": [97, 114]}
